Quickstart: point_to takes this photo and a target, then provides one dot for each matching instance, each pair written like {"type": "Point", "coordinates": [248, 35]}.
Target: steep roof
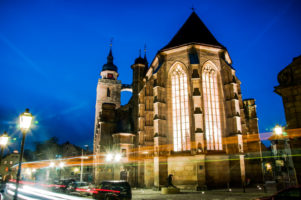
{"type": "Point", "coordinates": [193, 31]}
{"type": "Point", "coordinates": [109, 65]}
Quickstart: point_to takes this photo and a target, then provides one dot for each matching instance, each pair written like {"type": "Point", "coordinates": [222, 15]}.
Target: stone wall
{"type": "Point", "coordinates": [217, 171]}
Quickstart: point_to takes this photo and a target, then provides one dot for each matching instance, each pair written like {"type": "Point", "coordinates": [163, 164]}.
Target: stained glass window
{"type": "Point", "coordinates": [212, 108]}
{"type": "Point", "coordinates": [180, 115]}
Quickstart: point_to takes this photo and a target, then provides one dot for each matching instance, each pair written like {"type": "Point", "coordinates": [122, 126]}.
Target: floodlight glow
{"type": "Point", "coordinates": [109, 157]}
{"type": "Point", "coordinates": [117, 157]}
{"type": "Point", "coordinates": [268, 166]}
{"type": "Point", "coordinates": [25, 120]}
{"type": "Point", "coordinates": [51, 164]}
{"type": "Point", "coordinates": [278, 130]}
{"type": "Point", "coordinates": [34, 170]}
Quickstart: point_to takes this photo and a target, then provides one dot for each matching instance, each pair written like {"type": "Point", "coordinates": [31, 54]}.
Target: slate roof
{"type": "Point", "coordinates": [193, 31]}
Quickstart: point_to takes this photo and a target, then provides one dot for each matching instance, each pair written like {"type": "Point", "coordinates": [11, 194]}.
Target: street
{"type": "Point", "coordinates": [33, 193]}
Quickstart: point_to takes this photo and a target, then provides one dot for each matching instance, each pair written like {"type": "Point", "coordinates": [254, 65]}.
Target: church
{"type": "Point", "coordinates": [186, 117]}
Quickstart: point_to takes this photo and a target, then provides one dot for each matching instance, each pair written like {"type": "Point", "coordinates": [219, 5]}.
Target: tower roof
{"type": "Point", "coordinates": [109, 65]}
{"type": "Point", "coordinates": [140, 60]}
{"type": "Point", "coordinates": [193, 31]}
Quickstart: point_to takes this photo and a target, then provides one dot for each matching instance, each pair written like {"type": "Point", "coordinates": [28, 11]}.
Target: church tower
{"type": "Point", "coordinates": [108, 87]}
{"type": "Point", "coordinates": [139, 70]}
{"type": "Point", "coordinates": [107, 101]}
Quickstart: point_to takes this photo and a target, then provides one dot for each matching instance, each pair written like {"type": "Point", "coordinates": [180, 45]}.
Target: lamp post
{"type": "Point", "coordinates": [25, 122]}
{"type": "Point", "coordinates": [51, 165]}
{"type": "Point", "coordinates": [3, 142]}
{"type": "Point", "coordinates": [82, 164]}
{"type": "Point", "coordinates": [61, 165]}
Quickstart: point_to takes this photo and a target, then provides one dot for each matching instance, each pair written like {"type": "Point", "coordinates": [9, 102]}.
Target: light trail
{"type": "Point", "coordinates": [40, 193]}
{"type": "Point", "coordinates": [147, 152]}
{"type": "Point", "coordinates": [12, 193]}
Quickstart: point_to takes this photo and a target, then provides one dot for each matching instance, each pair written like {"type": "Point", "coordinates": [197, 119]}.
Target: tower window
{"type": "Point", "coordinates": [212, 109]}
{"type": "Point", "coordinates": [108, 92]}
{"type": "Point", "coordinates": [180, 116]}
{"type": "Point", "coordinates": [110, 76]}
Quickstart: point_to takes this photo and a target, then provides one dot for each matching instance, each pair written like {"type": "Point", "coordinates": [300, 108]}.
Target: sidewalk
{"type": "Point", "coordinates": [235, 194]}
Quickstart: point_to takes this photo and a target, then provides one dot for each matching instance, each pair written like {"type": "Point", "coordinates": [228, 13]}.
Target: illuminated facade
{"type": "Point", "coordinates": [186, 117]}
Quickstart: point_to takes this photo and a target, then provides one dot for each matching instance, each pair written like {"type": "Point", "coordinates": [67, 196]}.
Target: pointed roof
{"type": "Point", "coordinates": [109, 65]}
{"type": "Point", "coordinates": [193, 31]}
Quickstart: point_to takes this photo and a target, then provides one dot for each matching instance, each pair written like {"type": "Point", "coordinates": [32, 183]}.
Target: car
{"type": "Point", "coordinates": [113, 190]}
{"type": "Point", "coordinates": [82, 188]}
{"type": "Point", "coordinates": [62, 185]}
{"type": "Point", "coordinates": [291, 193]}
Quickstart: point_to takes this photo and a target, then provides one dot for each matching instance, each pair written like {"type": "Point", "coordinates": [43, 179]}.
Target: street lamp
{"type": "Point", "coordinates": [25, 122]}
{"type": "Point", "coordinates": [82, 163]}
{"type": "Point", "coordinates": [51, 164]}
{"type": "Point", "coordinates": [61, 165]}
{"type": "Point", "coordinates": [116, 157]}
{"type": "Point", "coordinates": [3, 142]}
{"type": "Point", "coordinates": [278, 130]}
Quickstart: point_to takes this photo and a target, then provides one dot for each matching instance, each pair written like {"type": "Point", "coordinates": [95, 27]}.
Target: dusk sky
{"type": "Point", "coordinates": [52, 51]}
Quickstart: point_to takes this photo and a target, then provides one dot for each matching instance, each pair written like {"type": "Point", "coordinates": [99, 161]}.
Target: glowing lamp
{"type": "Point", "coordinates": [4, 139]}
{"type": "Point", "coordinates": [25, 120]}
{"type": "Point", "coordinates": [62, 164]}
{"type": "Point", "coordinates": [51, 164]}
{"type": "Point", "coordinates": [109, 157]}
{"type": "Point", "coordinates": [278, 130]}
{"type": "Point", "coordinates": [268, 166]}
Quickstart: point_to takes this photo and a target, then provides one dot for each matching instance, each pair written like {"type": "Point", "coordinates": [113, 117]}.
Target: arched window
{"type": "Point", "coordinates": [108, 92]}
{"type": "Point", "coordinates": [180, 115]}
{"type": "Point", "coordinates": [212, 108]}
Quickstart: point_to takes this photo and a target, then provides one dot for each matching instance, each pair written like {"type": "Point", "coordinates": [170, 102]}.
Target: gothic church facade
{"type": "Point", "coordinates": [186, 117]}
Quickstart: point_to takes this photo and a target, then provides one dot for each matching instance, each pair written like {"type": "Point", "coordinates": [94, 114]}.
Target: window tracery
{"type": "Point", "coordinates": [180, 115]}
{"type": "Point", "coordinates": [212, 108]}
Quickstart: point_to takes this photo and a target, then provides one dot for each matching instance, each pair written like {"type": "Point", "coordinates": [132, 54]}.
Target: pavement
{"type": "Point", "coordinates": [235, 194]}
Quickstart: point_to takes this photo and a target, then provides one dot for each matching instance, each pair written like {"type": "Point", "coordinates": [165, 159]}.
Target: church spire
{"type": "Point", "coordinates": [110, 65]}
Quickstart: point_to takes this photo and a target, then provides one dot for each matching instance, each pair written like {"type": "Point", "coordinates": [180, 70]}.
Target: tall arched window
{"type": "Point", "coordinates": [212, 108]}
{"type": "Point", "coordinates": [180, 115]}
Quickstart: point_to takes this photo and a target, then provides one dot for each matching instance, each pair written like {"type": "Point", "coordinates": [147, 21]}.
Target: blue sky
{"type": "Point", "coordinates": [52, 51]}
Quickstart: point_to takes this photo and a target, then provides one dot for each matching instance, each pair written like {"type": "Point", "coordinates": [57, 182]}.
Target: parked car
{"type": "Point", "coordinates": [81, 188]}
{"type": "Point", "coordinates": [291, 193]}
{"type": "Point", "coordinates": [62, 185]}
{"type": "Point", "coordinates": [113, 190]}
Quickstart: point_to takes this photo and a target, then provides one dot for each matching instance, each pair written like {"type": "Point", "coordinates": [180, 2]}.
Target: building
{"type": "Point", "coordinates": [186, 117]}
{"type": "Point", "coordinates": [8, 162]}
{"type": "Point", "coordinates": [289, 89]}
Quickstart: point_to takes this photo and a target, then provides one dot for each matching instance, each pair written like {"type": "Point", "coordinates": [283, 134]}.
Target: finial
{"type": "Point", "coordinates": [145, 50]}
{"type": "Point", "coordinates": [111, 42]}
{"type": "Point", "coordinates": [145, 59]}
{"type": "Point", "coordinates": [192, 8]}
{"type": "Point", "coordinates": [139, 52]}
